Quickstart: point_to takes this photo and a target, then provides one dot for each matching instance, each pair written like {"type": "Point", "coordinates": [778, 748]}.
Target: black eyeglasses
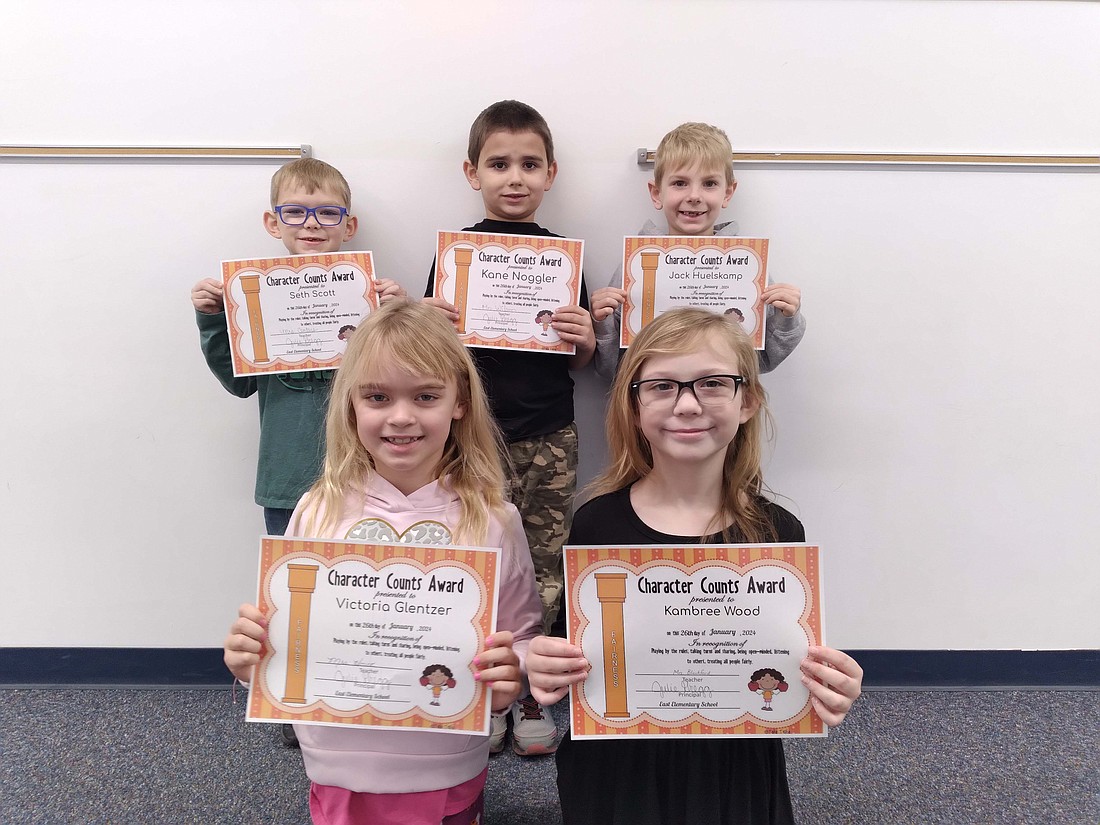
{"type": "Point", "coordinates": [294, 214]}
{"type": "Point", "coordinates": [710, 390]}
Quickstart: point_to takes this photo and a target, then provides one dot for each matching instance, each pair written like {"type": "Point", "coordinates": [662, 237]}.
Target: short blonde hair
{"type": "Point", "coordinates": [740, 516]}
{"type": "Point", "coordinates": [417, 338]}
{"type": "Point", "coordinates": [311, 174]}
{"type": "Point", "coordinates": [690, 144]}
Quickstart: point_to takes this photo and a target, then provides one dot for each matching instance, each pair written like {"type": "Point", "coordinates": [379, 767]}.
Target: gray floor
{"type": "Point", "coordinates": [127, 756]}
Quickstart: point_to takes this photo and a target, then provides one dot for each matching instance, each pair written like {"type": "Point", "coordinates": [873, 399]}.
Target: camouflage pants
{"type": "Point", "coordinates": [543, 481]}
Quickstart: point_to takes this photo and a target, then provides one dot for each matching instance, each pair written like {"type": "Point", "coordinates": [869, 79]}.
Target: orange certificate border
{"type": "Point", "coordinates": [634, 245]}
{"type": "Point", "coordinates": [234, 270]}
{"type": "Point", "coordinates": [572, 248]}
{"type": "Point", "coordinates": [482, 563]}
{"type": "Point", "coordinates": [802, 560]}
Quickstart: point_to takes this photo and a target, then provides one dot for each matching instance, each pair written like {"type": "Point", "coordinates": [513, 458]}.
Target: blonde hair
{"type": "Point", "coordinates": [417, 338]}
{"type": "Point", "coordinates": [690, 144]}
{"type": "Point", "coordinates": [677, 332]}
{"type": "Point", "coordinates": [311, 174]}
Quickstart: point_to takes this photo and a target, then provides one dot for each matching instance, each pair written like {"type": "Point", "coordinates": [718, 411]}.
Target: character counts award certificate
{"type": "Point", "coordinates": [374, 635]}
{"type": "Point", "coordinates": [295, 314]}
{"type": "Point", "coordinates": [694, 641]}
{"type": "Point", "coordinates": [506, 287]}
{"type": "Point", "coordinates": [723, 275]}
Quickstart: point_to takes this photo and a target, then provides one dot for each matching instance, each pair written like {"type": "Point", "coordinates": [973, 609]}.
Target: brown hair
{"type": "Point", "coordinates": [508, 116]}
{"type": "Point", "coordinates": [311, 174]}
{"type": "Point", "coordinates": [740, 515]}
{"type": "Point", "coordinates": [693, 143]}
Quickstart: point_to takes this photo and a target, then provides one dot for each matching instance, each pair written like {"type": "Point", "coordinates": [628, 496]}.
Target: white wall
{"type": "Point", "coordinates": [937, 427]}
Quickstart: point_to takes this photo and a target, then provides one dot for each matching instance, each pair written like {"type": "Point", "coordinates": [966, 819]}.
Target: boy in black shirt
{"type": "Point", "coordinates": [510, 161]}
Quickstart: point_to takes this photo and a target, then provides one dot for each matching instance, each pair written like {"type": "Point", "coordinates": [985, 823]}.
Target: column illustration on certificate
{"type": "Point", "coordinates": [295, 313]}
{"type": "Point", "coordinates": [374, 635]}
{"type": "Point", "coordinates": [726, 275]}
{"type": "Point", "coordinates": [695, 641]}
{"type": "Point", "coordinates": [506, 287]}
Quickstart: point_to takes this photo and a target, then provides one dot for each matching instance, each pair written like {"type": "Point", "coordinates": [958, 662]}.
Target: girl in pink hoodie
{"type": "Point", "coordinates": [412, 456]}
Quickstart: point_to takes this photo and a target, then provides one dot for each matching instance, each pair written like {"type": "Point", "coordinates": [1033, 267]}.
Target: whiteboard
{"type": "Point", "coordinates": [936, 429]}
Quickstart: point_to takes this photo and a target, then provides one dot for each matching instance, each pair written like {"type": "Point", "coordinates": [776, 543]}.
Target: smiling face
{"type": "Point", "coordinates": [692, 198]}
{"type": "Point", "coordinates": [767, 682]}
{"type": "Point", "coordinates": [403, 421]}
{"type": "Point", "coordinates": [512, 175]}
{"type": "Point", "coordinates": [437, 677]}
{"type": "Point", "coordinates": [685, 432]}
{"type": "Point", "coordinates": [310, 238]}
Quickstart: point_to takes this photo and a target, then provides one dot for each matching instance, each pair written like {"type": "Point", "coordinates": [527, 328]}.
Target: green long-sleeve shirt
{"type": "Point", "coordinates": [292, 417]}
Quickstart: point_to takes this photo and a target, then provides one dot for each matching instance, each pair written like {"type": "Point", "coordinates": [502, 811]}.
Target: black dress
{"type": "Point", "coordinates": [669, 781]}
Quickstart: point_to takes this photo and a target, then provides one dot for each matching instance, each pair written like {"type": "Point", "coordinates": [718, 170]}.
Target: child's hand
{"type": "Point", "coordinates": [552, 666]}
{"type": "Point", "coordinates": [834, 680]}
{"type": "Point", "coordinates": [245, 641]}
{"type": "Point", "coordinates": [448, 309]}
{"type": "Point", "coordinates": [206, 297]}
{"type": "Point", "coordinates": [573, 325]}
{"type": "Point", "coordinates": [605, 300]}
{"type": "Point", "coordinates": [498, 668]}
{"type": "Point", "coordinates": [388, 289]}
{"type": "Point", "coordinates": [786, 298]}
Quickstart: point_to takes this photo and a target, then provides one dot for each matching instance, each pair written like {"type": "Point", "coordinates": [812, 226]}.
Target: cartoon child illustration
{"type": "Point", "coordinates": [543, 319]}
{"type": "Point", "coordinates": [736, 312]}
{"type": "Point", "coordinates": [345, 332]}
{"type": "Point", "coordinates": [437, 677]}
{"type": "Point", "coordinates": [767, 681]}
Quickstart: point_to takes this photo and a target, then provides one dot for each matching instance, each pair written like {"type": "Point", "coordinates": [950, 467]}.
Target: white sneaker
{"type": "Point", "coordinates": [533, 730]}
{"type": "Point", "coordinates": [498, 728]}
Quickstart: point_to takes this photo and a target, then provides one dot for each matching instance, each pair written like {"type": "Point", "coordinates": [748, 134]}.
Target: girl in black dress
{"type": "Point", "coordinates": [684, 429]}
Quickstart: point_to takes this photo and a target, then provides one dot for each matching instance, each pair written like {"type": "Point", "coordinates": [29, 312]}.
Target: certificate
{"type": "Point", "coordinates": [506, 287]}
{"type": "Point", "coordinates": [374, 635]}
{"type": "Point", "coordinates": [694, 641]}
{"type": "Point", "coordinates": [724, 275]}
{"type": "Point", "coordinates": [294, 314]}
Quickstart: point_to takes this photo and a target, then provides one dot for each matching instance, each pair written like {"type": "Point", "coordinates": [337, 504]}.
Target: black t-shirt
{"type": "Point", "coordinates": [531, 393]}
{"type": "Point", "coordinates": [669, 781]}
{"type": "Point", "coordinates": [611, 519]}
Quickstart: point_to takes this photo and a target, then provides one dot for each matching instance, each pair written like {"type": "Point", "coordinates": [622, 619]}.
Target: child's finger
{"type": "Point", "coordinates": [444, 306]}
{"type": "Point", "coordinates": [834, 681]}
{"type": "Point", "coordinates": [831, 706]}
{"type": "Point", "coordinates": [554, 666]}
{"type": "Point", "coordinates": [548, 697]}
{"type": "Point", "coordinates": [250, 611]}
{"type": "Point", "coordinates": [251, 625]}
{"type": "Point", "coordinates": [550, 688]}
{"type": "Point", "coordinates": [554, 646]}
{"type": "Point", "coordinates": [787, 309]}
{"type": "Point", "coordinates": [783, 296]}
{"type": "Point", "coordinates": [496, 656]}
{"type": "Point", "coordinates": [831, 678]}
{"type": "Point", "coordinates": [837, 659]}
{"type": "Point", "coordinates": [208, 285]}
{"type": "Point", "coordinates": [502, 638]}
{"type": "Point", "coordinates": [571, 336]}
{"type": "Point", "coordinates": [571, 319]}
{"type": "Point", "coordinates": [508, 672]}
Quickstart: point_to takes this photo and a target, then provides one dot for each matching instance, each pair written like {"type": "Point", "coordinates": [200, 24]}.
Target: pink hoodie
{"type": "Point", "coordinates": [381, 761]}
